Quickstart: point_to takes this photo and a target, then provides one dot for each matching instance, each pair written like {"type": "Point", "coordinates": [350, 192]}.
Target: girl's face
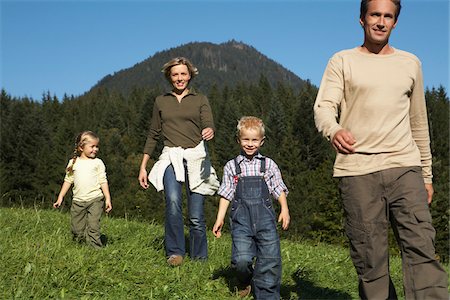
{"type": "Point", "coordinates": [89, 150]}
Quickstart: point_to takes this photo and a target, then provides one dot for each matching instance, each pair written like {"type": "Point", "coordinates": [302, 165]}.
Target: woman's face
{"type": "Point", "coordinates": [179, 76]}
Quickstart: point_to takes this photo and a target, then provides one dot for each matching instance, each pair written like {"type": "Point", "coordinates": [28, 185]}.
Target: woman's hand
{"type": "Point", "coordinates": [143, 178]}
{"type": "Point", "coordinates": [208, 134]}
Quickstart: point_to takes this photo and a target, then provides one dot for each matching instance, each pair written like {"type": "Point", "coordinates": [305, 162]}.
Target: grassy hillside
{"type": "Point", "coordinates": [39, 260]}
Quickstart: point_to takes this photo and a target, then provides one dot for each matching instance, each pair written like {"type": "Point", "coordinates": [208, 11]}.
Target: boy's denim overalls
{"type": "Point", "coordinates": [254, 234]}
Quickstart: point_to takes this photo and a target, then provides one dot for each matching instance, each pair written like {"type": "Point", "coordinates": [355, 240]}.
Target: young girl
{"type": "Point", "coordinates": [88, 175]}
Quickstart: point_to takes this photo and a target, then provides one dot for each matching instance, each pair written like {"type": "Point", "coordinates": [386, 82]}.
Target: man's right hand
{"type": "Point", "coordinates": [343, 141]}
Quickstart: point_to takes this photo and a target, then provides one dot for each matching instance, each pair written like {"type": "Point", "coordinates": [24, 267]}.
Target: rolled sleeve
{"type": "Point", "coordinates": [275, 181]}
{"type": "Point", "coordinates": [227, 187]}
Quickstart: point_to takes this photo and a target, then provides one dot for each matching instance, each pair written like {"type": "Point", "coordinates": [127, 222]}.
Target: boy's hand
{"type": "Point", "coordinates": [217, 229]}
{"type": "Point", "coordinates": [108, 206]}
{"type": "Point", "coordinates": [284, 219]}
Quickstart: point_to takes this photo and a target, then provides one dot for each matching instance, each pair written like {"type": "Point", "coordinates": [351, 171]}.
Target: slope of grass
{"type": "Point", "coordinates": [38, 259]}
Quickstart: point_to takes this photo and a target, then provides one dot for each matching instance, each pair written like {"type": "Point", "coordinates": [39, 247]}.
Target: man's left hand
{"type": "Point", "coordinates": [430, 192]}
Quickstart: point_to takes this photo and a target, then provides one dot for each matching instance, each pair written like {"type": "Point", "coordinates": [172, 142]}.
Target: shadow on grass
{"type": "Point", "coordinates": [230, 279]}
{"type": "Point", "coordinates": [303, 288]}
{"type": "Point", "coordinates": [306, 289]}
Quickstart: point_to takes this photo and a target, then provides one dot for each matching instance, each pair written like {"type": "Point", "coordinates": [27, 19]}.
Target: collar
{"type": "Point", "coordinates": [241, 157]}
{"type": "Point", "coordinates": [192, 91]}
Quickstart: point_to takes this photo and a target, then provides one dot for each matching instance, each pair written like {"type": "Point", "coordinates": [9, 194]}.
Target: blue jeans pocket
{"type": "Point", "coordinates": [269, 206]}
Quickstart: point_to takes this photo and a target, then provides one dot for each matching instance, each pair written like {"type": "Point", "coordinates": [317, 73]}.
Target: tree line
{"type": "Point", "coordinates": [37, 140]}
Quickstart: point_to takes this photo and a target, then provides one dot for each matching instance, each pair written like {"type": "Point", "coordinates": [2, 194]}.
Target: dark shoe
{"type": "Point", "coordinates": [104, 240]}
{"type": "Point", "coordinates": [245, 292]}
{"type": "Point", "coordinates": [175, 260]}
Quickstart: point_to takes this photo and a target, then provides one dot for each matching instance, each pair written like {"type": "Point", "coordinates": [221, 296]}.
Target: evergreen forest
{"type": "Point", "coordinates": [38, 136]}
{"type": "Point", "coordinates": [37, 140]}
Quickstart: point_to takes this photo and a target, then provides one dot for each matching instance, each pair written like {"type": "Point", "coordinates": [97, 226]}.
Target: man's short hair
{"type": "Point", "coordinates": [365, 3]}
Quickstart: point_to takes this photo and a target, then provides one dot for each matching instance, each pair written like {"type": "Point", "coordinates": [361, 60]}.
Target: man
{"type": "Point", "coordinates": [383, 157]}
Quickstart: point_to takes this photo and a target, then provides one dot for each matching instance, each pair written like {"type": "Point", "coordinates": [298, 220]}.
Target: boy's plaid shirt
{"type": "Point", "coordinates": [272, 176]}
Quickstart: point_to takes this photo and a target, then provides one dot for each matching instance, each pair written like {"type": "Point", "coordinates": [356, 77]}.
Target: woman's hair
{"type": "Point", "coordinates": [179, 61]}
{"type": "Point", "coordinates": [365, 3]}
{"type": "Point", "coordinates": [82, 139]}
{"type": "Point", "coordinates": [250, 122]}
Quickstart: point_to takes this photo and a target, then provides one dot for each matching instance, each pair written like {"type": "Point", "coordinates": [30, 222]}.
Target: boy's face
{"type": "Point", "coordinates": [250, 140]}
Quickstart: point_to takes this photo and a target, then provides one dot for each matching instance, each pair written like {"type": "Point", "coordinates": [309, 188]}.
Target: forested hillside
{"type": "Point", "coordinates": [225, 64]}
{"type": "Point", "coordinates": [37, 139]}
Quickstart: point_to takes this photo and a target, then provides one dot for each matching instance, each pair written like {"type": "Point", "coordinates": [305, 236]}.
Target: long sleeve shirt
{"type": "Point", "coordinates": [180, 123]}
{"type": "Point", "coordinates": [272, 176]}
{"type": "Point", "coordinates": [380, 100]}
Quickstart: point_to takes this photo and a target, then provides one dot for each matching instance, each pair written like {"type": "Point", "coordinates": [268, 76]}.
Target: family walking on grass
{"type": "Point", "coordinates": [370, 106]}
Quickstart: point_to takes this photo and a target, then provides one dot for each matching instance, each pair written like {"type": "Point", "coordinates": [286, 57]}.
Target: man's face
{"type": "Point", "coordinates": [379, 22]}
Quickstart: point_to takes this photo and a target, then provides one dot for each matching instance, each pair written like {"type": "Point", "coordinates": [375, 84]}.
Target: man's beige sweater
{"type": "Point", "coordinates": [380, 100]}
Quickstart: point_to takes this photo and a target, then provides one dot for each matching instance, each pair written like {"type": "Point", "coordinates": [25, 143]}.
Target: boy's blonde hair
{"type": "Point", "coordinates": [82, 139]}
{"type": "Point", "coordinates": [193, 71]}
{"type": "Point", "coordinates": [250, 122]}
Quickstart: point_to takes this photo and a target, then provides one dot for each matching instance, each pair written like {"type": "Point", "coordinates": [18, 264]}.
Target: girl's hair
{"type": "Point", "coordinates": [250, 122]}
{"type": "Point", "coordinates": [193, 71]}
{"type": "Point", "coordinates": [82, 139]}
{"type": "Point", "coordinates": [365, 4]}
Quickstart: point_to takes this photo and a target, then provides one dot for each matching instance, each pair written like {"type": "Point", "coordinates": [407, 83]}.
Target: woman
{"type": "Point", "coordinates": [184, 119]}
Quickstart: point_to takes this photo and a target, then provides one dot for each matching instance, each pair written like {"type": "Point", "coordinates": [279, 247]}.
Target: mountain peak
{"type": "Point", "coordinates": [235, 44]}
{"type": "Point", "coordinates": [225, 64]}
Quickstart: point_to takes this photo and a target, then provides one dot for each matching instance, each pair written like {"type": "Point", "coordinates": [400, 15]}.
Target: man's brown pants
{"type": "Point", "coordinates": [397, 195]}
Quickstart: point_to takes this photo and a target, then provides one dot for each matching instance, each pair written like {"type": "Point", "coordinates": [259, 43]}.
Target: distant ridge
{"type": "Point", "coordinates": [223, 64]}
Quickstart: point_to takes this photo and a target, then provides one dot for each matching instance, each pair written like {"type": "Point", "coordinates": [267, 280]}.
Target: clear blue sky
{"type": "Point", "coordinates": [68, 46]}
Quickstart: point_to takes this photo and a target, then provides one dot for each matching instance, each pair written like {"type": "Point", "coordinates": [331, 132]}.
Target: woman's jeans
{"type": "Point", "coordinates": [174, 226]}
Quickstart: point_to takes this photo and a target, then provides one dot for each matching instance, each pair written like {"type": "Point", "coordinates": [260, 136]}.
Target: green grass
{"type": "Point", "coordinates": [39, 260]}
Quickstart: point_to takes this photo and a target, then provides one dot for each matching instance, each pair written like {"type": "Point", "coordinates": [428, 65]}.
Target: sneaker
{"type": "Point", "coordinates": [175, 260]}
{"type": "Point", "coordinates": [245, 292]}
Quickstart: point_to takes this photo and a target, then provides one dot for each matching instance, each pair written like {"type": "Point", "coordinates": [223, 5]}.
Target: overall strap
{"type": "Point", "coordinates": [238, 168]}
{"type": "Point", "coordinates": [263, 165]}
{"type": "Point", "coordinates": [262, 168]}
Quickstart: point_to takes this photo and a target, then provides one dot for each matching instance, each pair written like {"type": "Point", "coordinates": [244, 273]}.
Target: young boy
{"type": "Point", "coordinates": [248, 181]}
